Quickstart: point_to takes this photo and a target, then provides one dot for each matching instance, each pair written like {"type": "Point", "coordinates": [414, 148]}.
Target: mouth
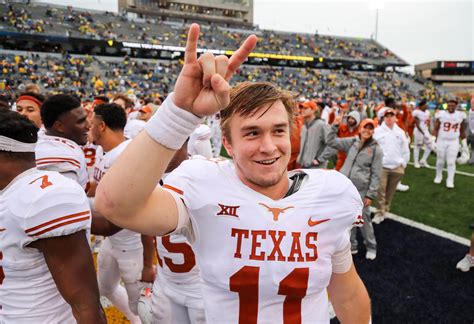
{"type": "Point", "coordinates": [268, 161]}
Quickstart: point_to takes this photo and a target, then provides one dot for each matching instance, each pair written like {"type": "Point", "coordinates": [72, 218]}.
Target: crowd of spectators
{"type": "Point", "coordinates": [72, 22]}
{"type": "Point", "coordinates": [88, 76]}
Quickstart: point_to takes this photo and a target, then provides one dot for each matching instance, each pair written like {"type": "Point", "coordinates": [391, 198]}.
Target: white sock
{"type": "Point", "coordinates": [451, 172]}
{"type": "Point", "coordinates": [426, 154]}
{"type": "Point", "coordinates": [416, 154]}
{"type": "Point", "coordinates": [119, 299]}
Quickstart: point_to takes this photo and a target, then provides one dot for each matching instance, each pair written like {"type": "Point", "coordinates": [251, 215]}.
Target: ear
{"type": "Point", "coordinates": [227, 146]}
{"type": "Point", "coordinates": [58, 127]}
{"type": "Point", "coordinates": [102, 126]}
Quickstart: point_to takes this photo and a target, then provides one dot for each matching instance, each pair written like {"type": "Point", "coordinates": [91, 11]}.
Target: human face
{"type": "Point", "coordinates": [143, 115]}
{"type": "Point", "coordinates": [389, 120]}
{"type": "Point", "coordinates": [97, 126]}
{"type": "Point", "coordinates": [261, 149]}
{"type": "Point", "coordinates": [351, 121]}
{"type": "Point", "coordinates": [452, 106]}
{"type": "Point", "coordinates": [307, 112]}
{"type": "Point", "coordinates": [75, 125]}
{"type": "Point", "coordinates": [367, 132]}
{"type": "Point", "coordinates": [30, 110]}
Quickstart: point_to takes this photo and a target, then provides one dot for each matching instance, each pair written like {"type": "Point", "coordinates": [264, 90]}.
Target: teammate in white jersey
{"type": "Point", "coordinates": [449, 127]}
{"type": "Point", "coordinates": [66, 127]}
{"type": "Point", "coordinates": [267, 246]}
{"type": "Point", "coordinates": [127, 255]}
{"type": "Point", "coordinates": [422, 134]}
{"type": "Point", "coordinates": [46, 270]}
{"type": "Point", "coordinates": [177, 296]}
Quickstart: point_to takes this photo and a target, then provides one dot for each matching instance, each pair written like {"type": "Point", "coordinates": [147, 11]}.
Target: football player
{"type": "Point", "coordinates": [46, 270]}
{"type": "Point", "coordinates": [127, 255]}
{"type": "Point", "coordinates": [422, 134]}
{"type": "Point", "coordinates": [29, 104]}
{"type": "Point", "coordinates": [449, 127]}
{"type": "Point", "coordinates": [66, 124]}
{"type": "Point", "coordinates": [177, 296]}
{"type": "Point", "coordinates": [268, 244]}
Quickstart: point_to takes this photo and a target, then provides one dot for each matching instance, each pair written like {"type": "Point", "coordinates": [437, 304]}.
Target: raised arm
{"type": "Point", "coordinates": [128, 194]}
{"type": "Point", "coordinates": [342, 144]}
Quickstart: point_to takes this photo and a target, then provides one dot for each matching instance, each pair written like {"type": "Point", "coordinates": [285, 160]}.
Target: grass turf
{"type": "Point", "coordinates": [451, 210]}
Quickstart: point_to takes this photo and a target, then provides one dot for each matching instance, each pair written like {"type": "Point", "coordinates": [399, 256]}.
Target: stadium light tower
{"type": "Point", "coordinates": [377, 5]}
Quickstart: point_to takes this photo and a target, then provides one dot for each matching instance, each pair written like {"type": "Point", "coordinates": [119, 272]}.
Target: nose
{"type": "Point", "coordinates": [267, 144]}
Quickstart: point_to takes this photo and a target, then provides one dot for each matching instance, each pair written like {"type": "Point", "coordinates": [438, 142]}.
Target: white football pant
{"type": "Point", "coordinates": [446, 150]}
{"type": "Point", "coordinates": [115, 264]}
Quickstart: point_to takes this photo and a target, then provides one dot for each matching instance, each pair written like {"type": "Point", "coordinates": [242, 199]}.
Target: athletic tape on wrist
{"type": "Point", "coordinates": [171, 125]}
{"type": "Point", "coordinates": [10, 145]}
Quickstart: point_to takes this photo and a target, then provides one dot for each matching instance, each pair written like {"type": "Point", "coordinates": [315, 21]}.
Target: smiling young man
{"type": "Point", "coordinates": [66, 124]}
{"type": "Point", "coordinates": [268, 243]}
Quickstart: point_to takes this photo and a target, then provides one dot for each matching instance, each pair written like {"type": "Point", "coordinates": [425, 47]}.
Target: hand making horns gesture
{"type": "Point", "coordinates": [202, 86]}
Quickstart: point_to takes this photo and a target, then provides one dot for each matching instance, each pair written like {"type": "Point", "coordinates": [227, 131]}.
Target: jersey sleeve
{"type": "Point", "coordinates": [438, 114]}
{"type": "Point", "coordinates": [183, 184]}
{"type": "Point", "coordinates": [57, 207]}
{"type": "Point", "coordinates": [349, 205]}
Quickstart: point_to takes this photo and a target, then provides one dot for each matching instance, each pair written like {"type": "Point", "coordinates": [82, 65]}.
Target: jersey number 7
{"type": "Point", "coordinates": [44, 182]}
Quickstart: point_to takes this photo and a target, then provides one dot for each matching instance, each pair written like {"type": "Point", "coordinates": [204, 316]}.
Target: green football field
{"type": "Point", "coordinates": [451, 210]}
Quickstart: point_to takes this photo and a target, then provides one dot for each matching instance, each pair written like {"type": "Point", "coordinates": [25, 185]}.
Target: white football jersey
{"type": "Point", "coordinates": [177, 265]}
{"type": "Point", "coordinates": [450, 124]}
{"type": "Point", "coordinates": [91, 153]}
{"type": "Point", "coordinates": [423, 117]}
{"type": "Point", "coordinates": [125, 239]}
{"type": "Point", "coordinates": [62, 155]}
{"type": "Point", "coordinates": [36, 205]}
{"type": "Point", "coordinates": [264, 260]}
{"type": "Point", "coordinates": [133, 127]}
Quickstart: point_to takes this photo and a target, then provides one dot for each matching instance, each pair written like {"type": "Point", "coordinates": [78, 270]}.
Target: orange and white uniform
{"type": "Point", "coordinates": [447, 142]}
{"type": "Point", "coordinates": [450, 124]}
{"type": "Point", "coordinates": [62, 155]}
{"type": "Point", "coordinates": [177, 294]}
{"type": "Point", "coordinates": [91, 153]}
{"type": "Point", "coordinates": [424, 119]}
{"type": "Point", "coordinates": [36, 205]}
{"type": "Point", "coordinates": [263, 260]}
{"type": "Point", "coordinates": [120, 255]}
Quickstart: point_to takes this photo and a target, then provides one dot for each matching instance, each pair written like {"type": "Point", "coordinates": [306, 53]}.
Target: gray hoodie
{"type": "Point", "coordinates": [363, 166]}
{"type": "Point", "coordinates": [313, 141]}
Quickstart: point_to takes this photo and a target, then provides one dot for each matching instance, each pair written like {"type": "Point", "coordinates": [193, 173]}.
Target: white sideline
{"type": "Point", "coordinates": [426, 228]}
{"type": "Point", "coordinates": [457, 172]}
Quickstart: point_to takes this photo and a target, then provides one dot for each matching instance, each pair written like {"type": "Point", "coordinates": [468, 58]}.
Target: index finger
{"type": "Point", "coordinates": [240, 56]}
{"type": "Point", "coordinates": [190, 54]}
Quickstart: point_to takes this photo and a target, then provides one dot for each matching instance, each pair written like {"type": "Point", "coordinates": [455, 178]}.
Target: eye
{"type": "Point", "coordinates": [251, 134]}
{"type": "Point", "coordinates": [280, 131]}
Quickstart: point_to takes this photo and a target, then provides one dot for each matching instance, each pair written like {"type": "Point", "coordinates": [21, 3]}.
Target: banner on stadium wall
{"type": "Point", "coordinates": [217, 52]}
{"type": "Point", "coordinates": [457, 64]}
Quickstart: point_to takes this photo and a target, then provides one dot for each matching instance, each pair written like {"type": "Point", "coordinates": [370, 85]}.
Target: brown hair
{"type": "Point", "coordinates": [128, 102]}
{"type": "Point", "coordinates": [247, 97]}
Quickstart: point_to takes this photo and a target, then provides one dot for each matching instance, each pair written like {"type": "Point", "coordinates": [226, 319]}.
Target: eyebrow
{"type": "Point", "coordinates": [248, 128]}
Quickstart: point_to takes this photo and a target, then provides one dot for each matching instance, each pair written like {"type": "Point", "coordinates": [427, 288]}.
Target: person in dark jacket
{"type": "Point", "coordinates": [363, 167]}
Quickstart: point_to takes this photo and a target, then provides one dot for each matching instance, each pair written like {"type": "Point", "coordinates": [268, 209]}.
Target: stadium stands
{"type": "Point", "coordinates": [88, 76]}
{"type": "Point", "coordinates": [49, 20]}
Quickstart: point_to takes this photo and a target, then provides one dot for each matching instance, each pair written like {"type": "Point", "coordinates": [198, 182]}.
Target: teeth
{"type": "Point", "coordinates": [267, 161]}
